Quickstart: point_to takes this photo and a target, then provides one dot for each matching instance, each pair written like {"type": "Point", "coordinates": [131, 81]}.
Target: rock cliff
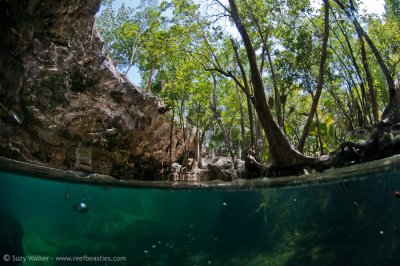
{"type": "Point", "coordinates": [64, 104]}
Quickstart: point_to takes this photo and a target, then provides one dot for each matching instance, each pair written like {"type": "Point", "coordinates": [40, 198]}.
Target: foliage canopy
{"type": "Point", "coordinates": [191, 55]}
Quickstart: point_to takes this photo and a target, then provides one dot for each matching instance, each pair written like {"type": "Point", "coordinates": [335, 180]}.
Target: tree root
{"type": "Point", "coordinates": [383, 141]}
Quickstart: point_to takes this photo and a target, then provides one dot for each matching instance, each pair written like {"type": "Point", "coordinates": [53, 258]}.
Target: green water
{"type": "Point", "coordinates": [313, 225]}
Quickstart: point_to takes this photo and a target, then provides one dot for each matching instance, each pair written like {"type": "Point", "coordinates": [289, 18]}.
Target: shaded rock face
{"type": "Point", "coordinates": [64, 104]}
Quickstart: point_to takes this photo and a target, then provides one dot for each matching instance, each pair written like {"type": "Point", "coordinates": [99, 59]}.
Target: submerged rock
{"type": "Point", "coordinates": [63, 102]}
{"type": "Point", "coordinates": [11, 234]}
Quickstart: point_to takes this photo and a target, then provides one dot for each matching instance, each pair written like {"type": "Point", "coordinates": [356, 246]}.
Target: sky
{"type": "Point", "coordinates": [375, 6]}
{"type": "Point", "coordinates": [370, 6]}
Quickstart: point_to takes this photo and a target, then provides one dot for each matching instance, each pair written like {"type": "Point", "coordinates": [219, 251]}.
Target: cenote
{"type": "Point", "coordinates": [349, 223]}
{"type": "Point", "coordinates": [261, 133]}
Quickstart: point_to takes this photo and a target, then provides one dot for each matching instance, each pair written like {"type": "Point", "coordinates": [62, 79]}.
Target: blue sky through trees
{"type": "Point", "coordinates": [369, 6]}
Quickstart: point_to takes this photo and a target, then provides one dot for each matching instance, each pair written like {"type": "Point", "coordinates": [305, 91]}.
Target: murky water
{"type": "Point", "coordinates": [357, 223]}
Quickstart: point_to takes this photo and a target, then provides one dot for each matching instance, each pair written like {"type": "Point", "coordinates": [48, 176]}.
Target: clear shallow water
{"type": "Point", "coordinates": [313, 225]}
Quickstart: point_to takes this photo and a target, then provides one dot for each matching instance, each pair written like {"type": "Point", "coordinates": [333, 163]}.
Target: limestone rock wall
{"type": "Point", "coordinates": [64, 104]}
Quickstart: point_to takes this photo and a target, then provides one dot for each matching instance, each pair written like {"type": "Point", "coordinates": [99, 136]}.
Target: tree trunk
{"type": "Point", "coordinates": [371, 89]}
{"type": "Point", "coordinates": [225, 134]}
{"type": "Point", "coordinates": [364, 99]}
{"type": "Point", "coordinates": [182, 124]}
{"type": "Point", "coordinates": [277, 95]}
{"type": "Point", "coordinates": [133, 51]}
{"type": "Point", "coordinates": [202, 137]}
{"type": "Point", "coordinates": [251, 121]}
{"type": "Point", "coordinates": [319, 137]}
{"type": "Point", "coordinates": [247, 92]}
{"type": "Point", "coordinates": [352, 84]}
{"type": "Point", "coordinates": [197, 156]}
{"type": "Point", "coordinates": [392, 110]}
{"type": "Point", "coordinates": [265, 49]}
{"type": "Point", "coordinates": [171, 135]}
{"type": "Point", "coordinates": [354, 107]}
{"type": "Point", "coordinates": [320, 78]}
{"type": "Point", "coordinates": [150, 79]}
{"type": "Point", "coordinates": [282, 153]}
{"type": "Point", "coordinates": [242, 127]}
{"type": "Point", "coordinates": [258, 138]}
{"type": "Point", "coordinates": [342, 108]}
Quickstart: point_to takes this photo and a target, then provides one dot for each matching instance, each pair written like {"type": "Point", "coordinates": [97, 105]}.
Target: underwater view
{"type": "Point", "coordinates": [350, 223]}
